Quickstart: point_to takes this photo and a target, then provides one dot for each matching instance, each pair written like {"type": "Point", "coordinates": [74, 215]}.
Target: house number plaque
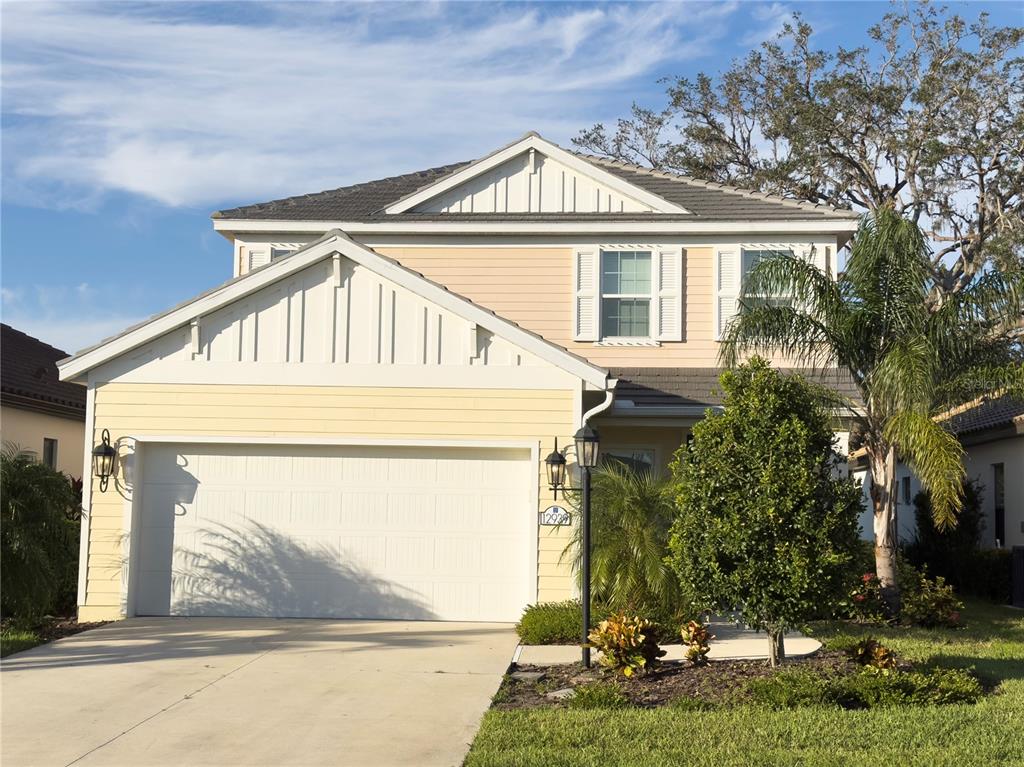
{"type": "Point", "coordinates": [555, 515]}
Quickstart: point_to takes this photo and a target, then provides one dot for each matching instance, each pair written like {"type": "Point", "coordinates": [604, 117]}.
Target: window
{"type": "Point", "coordinates": [276, 253]}
{"type": "Point", "coordinates": [750, 259]}
{"type": "Point", "coordinates": [635, 458]}
{"type": "Point", "coordinates": [50, 452]}
{"type": "Point", "coordinates": [906, 490]}
{"type": "Point", "coordinates": [625, 294]}
{"type": "Point", "coordinates": [999, 502]}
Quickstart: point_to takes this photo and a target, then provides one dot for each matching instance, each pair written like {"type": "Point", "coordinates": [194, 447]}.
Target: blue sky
{"type": "Point", "coordinates": [125, 124]}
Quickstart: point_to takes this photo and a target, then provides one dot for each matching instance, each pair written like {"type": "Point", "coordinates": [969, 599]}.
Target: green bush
{"type": "Point", "coordinates": [598, 695]}
{"type": "Point", "coordinates": [764, 525]}
{"type": "Point", "coordinates": [631, 512]}
{"type": "Point", "coordinates": [627, 643]}
{"type": "Point", "coordinates": [929, 602]}
{"type": "Point", "coordinates": [868, 689]}
{"type": "Point", "coordinates": [955, 553]}
{"type": "Point", "coordinates": [38, 537]}
{"type": "Point", "coordinates": [556, 622]}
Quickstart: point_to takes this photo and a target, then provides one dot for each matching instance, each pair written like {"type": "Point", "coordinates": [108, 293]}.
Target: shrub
{"type": "Point", "coordinates": [954, 553]}
{"type": "Point", "coordinates": [871, 653]}
{"type": "Point", "coordinates": [793, 689]}
{"type": "Point", "coordinates": [697, 638]}
{"type": "Point", "coordinates": [631, 512]}
{"type": "Point", "coordinates": [628, 644]}
{"type": "Point", "coordinates": [929, 602]}
{"type": "Point", "coordinates": [764, 525]}
{"type": "Point", "coordinates": [38, 537]}
{"type": "Point", "coordinates": [598, 695]}
{"type": "Point", "coordinates": [864, 603]}
{"type": "Point", "coordinates": [555, 622]}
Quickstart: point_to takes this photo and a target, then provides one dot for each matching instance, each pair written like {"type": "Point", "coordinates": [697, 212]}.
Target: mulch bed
{"type": "Point", "coordinates": [50, 629]}
{"type": "Point", "coordinates": [718, 682]}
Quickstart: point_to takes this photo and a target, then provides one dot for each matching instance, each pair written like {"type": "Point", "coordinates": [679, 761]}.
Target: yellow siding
{"type": "Point", "coordinates": [533, 287]}
{"type": "Point", "coordinates": [208, 410]}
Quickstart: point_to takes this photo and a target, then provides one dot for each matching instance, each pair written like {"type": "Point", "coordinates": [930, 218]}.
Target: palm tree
{"type": "Point", "coordinates": [908, 360]}
{"type": "Point", "coordinates": [631, 511]}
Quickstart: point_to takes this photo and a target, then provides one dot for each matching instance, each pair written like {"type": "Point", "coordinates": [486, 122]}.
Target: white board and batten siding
{"type": "Point", "coordinates": [335, 322]}
{"type": "Point", "coordinates": [533, 183]}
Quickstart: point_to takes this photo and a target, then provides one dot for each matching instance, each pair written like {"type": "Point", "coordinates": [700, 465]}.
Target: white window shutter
{"type": "Point", "coordinates": [667, 311]}
{"type": "Point", "coordinates": [258, 257]}
{"type": "Point", "coordinates": [588, 295]}
{"type": "Point", "coordinates": [727, 279]}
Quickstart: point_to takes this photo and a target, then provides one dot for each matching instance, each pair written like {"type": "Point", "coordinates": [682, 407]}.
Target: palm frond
{"type": "Point", "coordinates": [937, 459]}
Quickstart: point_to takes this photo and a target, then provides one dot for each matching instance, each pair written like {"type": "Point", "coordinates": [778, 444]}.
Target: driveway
{"type": "Point", "coordinates": [213, 691]}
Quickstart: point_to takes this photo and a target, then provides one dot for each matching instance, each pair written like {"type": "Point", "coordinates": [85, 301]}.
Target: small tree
{"type": "Point", "coordinates": [763, 523]}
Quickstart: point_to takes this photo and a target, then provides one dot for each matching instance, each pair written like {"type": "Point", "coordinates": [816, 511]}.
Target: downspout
{"type": "Point", "coordinates": [609, 398]}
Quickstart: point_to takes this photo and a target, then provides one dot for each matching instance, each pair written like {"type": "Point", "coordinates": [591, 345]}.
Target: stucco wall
{"type": "Point", "coordinates": [210, 410]}
{"type": "Point", "coordinates": [27, 429]}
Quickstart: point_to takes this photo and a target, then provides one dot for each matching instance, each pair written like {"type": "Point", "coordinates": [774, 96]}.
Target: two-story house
{"type": "Point", "coordinates": [355, 424]}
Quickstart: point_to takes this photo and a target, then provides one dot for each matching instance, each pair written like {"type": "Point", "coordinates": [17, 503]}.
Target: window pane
{"type": "Point", "coordinates": [50, 452]}
{"type": "Point", "coordinates": [625, 272]}
{"type": "Point", "coordinates": [625, 317]}
{"type": "Point", "coordinates": [610, 271]}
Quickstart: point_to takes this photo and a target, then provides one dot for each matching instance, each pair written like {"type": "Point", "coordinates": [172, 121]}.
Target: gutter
{"type": "Point", "coordinates": [609, 398]}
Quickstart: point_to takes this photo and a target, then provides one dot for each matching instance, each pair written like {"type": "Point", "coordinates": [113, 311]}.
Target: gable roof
{"type": "Point", "coordinates": [678, 197]}
{"type": "Point", "coordinates": [29, 378]}
{"type": "Point", "coordinates": [333, 242]}
{"type": "Point", "coordinates": [989, 412]}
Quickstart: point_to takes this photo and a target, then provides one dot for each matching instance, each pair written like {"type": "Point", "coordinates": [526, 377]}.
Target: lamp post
{"type": "Point", "coordinates": [587, 445]}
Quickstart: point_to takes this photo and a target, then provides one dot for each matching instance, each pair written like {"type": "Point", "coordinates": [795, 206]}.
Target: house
{"type": "Point", "coordinates": [355, 424]}
{"type": "Point", "coordinates": [991, 430]}
{"type": "Point", "coordinates": [39, 413]}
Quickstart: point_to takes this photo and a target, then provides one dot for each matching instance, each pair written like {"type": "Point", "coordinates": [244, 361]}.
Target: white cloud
{"type": "Point", "coordinates": [193, 109]}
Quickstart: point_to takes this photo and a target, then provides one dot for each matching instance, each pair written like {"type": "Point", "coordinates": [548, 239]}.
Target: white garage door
{"type": "Point", "coordinates": [333, 532]}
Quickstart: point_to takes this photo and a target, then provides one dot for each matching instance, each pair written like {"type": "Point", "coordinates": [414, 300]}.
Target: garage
{"type": "Point", "coordinates": [376, 532]}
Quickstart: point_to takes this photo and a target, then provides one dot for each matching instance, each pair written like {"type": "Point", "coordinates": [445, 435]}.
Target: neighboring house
{"type": "Point", "coordinates": [991, 429]}
{"type": "Point", "coordinates": [39, 413]}
{"type": "Point", "coordinates": [355, 425]}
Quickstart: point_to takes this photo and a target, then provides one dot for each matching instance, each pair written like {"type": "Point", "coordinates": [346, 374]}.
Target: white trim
{"type": "Point", "coordinates": [333, 242]}
{"type": "Point", "coordinates": [532, 143]}
{"type": "Point", "coordinates": [827, 226]}
{"type": "Point", "coordinates": [83, 541]}
{"type": "Point", "coordinates": [245, 439]}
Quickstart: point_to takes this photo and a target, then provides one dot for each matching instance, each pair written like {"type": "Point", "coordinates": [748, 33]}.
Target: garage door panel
{"type": "Point", "coordinates": [334, 532]}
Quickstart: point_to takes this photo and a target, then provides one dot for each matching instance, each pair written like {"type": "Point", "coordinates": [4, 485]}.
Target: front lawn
{"type": "Point", "coordinates": [988, 732]}
{"type": "Point", "coordinates": [15, 637]}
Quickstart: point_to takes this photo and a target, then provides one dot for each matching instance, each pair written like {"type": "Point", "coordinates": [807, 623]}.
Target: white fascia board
{"type": "Point", "coordinates": [830, 226]}
{"type": "Point", "coordinates": [407, 203]}
{"type": "Point", "coordinates": [336, 242]}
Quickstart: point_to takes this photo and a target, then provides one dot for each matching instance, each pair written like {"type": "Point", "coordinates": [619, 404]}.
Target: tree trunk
{"type": "Point", "coordinates": [883, 499]}
{"type": "Point", "coordinates": [776, 647]}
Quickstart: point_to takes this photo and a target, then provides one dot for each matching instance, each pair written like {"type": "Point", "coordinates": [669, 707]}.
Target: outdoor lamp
{"type": "Point", "coordinates": [587, 445]}
{"type": "Point", "coordinates": [103, 456]}
{"type": "Point", "coordinates": [556, 469]}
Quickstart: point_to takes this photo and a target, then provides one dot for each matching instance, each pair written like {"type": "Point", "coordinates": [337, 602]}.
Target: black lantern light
{"type": "Point", "coordinates": [555, 463]}
{"type": "Point", "coordinates": [103, 456]}
{"type": "Point", "coordinates": [587, 446]}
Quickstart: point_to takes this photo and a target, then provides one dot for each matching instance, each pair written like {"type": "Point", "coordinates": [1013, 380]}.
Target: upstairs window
{"type": "Point", "coordinates": [625, 294]}
{"type": "Point", "coordinates": [751, 258]}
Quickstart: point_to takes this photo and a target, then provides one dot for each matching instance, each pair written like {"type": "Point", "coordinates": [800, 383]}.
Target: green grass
{"type": "Point", "coordinates": [988, 732]}
{"type": "Point", "coordinates": [14, 640]}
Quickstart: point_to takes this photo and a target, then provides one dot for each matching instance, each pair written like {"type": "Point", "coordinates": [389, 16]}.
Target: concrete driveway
{"type": "Point", "coordinates": [213, 691]}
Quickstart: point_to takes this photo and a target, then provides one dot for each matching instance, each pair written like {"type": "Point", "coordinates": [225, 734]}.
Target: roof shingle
{"type": "Point", "coordinates": [29, 378]}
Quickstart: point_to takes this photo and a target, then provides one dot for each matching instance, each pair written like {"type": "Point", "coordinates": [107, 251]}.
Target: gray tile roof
{"type": "Point", "coordinates": [29, 379]}
{"type": "Point", "coordinates": [988, 413]}
{"type": "Point", "coordinates": [659, 387]}
{"type": "Point", "coordinates": [365, 202]}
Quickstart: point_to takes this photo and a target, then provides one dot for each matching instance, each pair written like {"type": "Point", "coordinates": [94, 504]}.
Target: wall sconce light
{"type": "Point", "coordinates": [103, 456]}
{"type": "Point", "coordinates": [555, 463]}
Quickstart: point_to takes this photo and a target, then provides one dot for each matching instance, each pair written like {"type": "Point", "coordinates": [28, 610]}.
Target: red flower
{"type": "Point", "coordinates": [859, 597]}
{"type": "Point", "coordinates": [868, 577]}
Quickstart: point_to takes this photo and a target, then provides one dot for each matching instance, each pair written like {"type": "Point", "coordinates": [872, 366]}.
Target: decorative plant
{"type": "Point", "coordinates": [697, 638]}
{"type": "Point", "coordinates": [930, 602]}
{"type": "Point", "coordinates": [627, 643]}
{"type": "Point", "coordinates": [764, 525]}
{"type": "Point", "coordinates": [873, 654]}
{"type": "Point", "coordinates": [631, 513]}
{"type": "Point", "coordinates": [865, 603]}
